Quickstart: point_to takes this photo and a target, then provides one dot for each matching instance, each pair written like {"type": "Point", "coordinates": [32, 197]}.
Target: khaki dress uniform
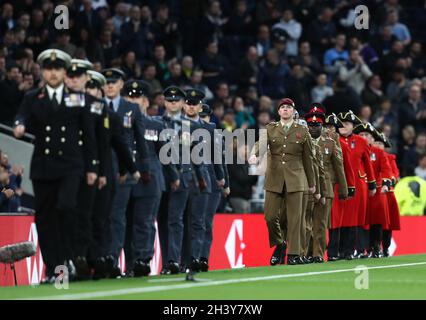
{"type": "Point", "coordinates": [288, 175]}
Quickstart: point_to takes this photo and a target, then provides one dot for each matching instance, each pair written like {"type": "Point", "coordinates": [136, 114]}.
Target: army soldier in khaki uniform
{"type": "Point", "coordinates": [289, 173]}
{"type": "Point", "coordinates": [315, 202]}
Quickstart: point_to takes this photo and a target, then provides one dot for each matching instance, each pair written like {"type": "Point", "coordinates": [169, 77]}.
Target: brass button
{"type": "Point", "coordinates": [94, 162]}
{"type": "Point", "coordinates": [47, 139]}
{"type": "Point", "coordinates": [284, 146]}
{"type": "Point", "coordinates": [80, 143]}
{"type": "Point", "coordinates": [283, 162]}
{"type": "Point", "coordinates": [47, 128]}
{"type": "Point", "coordinates": [60, 152]}
{"type": "Point", "coordinates": [80, 133]}
{"type": "Point", "coordinates": [134, 152]}
{"type": "Point", "coordinates": [285, 138]}
{"type": "Point", "coordinates": [63, 140]}
{"type": "Point", "coordinates": [63, 128]}
{"type": "Point", "coordinates": [46, 151]}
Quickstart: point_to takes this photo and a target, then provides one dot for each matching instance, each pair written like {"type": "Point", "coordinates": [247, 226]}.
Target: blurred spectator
{"type": "Point", "coordinates": [241, 183]}
{"type": "Point", "coordinates": [120, 16]}
{"type": "Point", "coordinates": [211, 24]}
{"type": "Point", "coordinates": [6, 21]}
{"type": "Point", "coordinates": [88, 17]}
{"type": "Point", "coordinates": [12, 90]}
{"type": "Point", "coordinates": [397, 90]}
{"type": "Point", "coordinates": [417, 60]}
{"type": "Point", "coordinates": [267, 11]}
{"type": "Point", "coordinates": [165, 30]}
{"type": "Point", "coordinates": [214, 65]}
{"type": "Point", "coordinates": [413, 110]}
{"type": "Point", "coordinates": [372, 93]}
{"type": "Point", "coordinates": [176, 77]}
{"type": "Point", "coordinates": [248, 70]}
{"type": "Point", "coordinates": [243, 118]}
{"type": "Point", "coordinates": [386, 116]}
{"type": "Point", "coordinates": [365, 113]}
{"type": "Point", "coordinates": [263, 43]}
{"type": "Point", "coordinates": [344, 97]}
{"type": "Point", "coordinates": [109, 48]}
{"type": "Point", "coordinates": [335, 57]}
{"type": "Point", "coordinates": [368, 54]}
{"type": "Point", "coordinates": [293, 30]}
{"type": "Point", "coordinates": [222, 94]}
{"type": "Point", "coordinates": [160, 63]}
{"type": "Point", "coordinates": [196, 83]}
{"type": "Point", "coordinates": [412, 155]}
{"type": "Point", "coordinates": [382, 42]}
{"type": "Point", "coordinates": [299, 85]}
{"type": "Point", "coordinates": [273, 76]}
{"type": "Point", "coordinates": [389, 61]}
{"type": "Point", "coordinates": [150, 76]}
{"type": "Point", "coordinates": [355, 71]}
{"type": "Point", "coordinates": [90, 44]}
{"type": "Point", "coordinates": [400, 30]}
{"type": "Point", "coordinates": [228, 122]}
{"type": "Point", "coordinates": [420, 170]}
{"type": "Point", "coordinates": [63, 42]}
{"type": "Point", "coordinates": [130, 66]}
{"type": "Point", "coordinates": [321, 90]}
{"type": "Point", "coordinates": [134, 35]}
{"type": "Point", "coordinates": [240, 22]}
{"type": "Point", "coordinates": [307, 60]}
{"type": "Point", "coordinates": [218, 113]}
{"type": "Point", "coordinates": [187, 67]}
{"type": "Point", "coordinates": [321, 32]}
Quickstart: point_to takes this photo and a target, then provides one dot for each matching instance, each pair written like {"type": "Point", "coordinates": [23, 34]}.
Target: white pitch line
{"type": "Point", "coordinates": [120, 292]}
{"type": "Point", "coordinates": [175, 280]}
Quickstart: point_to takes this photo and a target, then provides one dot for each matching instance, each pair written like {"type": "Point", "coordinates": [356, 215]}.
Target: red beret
{"type": "Point", "coordinates": [315, 117]}
{"type": "Point", "coordinates": [317, 107]}
{"type": "Point", "coordinates": [286, 101]}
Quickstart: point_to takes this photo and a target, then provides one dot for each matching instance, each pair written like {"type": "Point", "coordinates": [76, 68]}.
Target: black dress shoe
{"type": "Point", "coordinates": [350, 257]}
{"type": "Point", "coordinates": [204, 265]}
{"type": "Point", "coordinates": [164, 271]}
{"type": "Point", "coordinates": [173, 267]}
{"type": "Point", "coordinates": [308, 259]}
{"type": "Point", "coordinates": [276, 255]}
{"type": "Point", "coordinates": [293, 260]}
{"type": "Point", "coordinates": [284, 250]}
{"type": "Point", "coordinates": [377, 253]}
{"type": "Point", "coordinates": [195, 265]}
{"type": "Point", "coordinates": [386, 253]}
{"type": "Point", "coordinates": [82, 268]}
{"type": "Point", "coordinates": [48, 280]}
{"type": "Point", "coordinates": [115, 273]}
{"type": "Point", "coordinates": [318, 260]}
{"type": "Point", "coordinates": [72, 273]}
{"type": "Point", "coordinates": [141, 268]}
{"type": "Point", "coordinates": [333, 258]}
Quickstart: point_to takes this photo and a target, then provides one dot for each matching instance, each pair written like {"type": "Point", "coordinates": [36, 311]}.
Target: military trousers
{"type": "Point", "coordinates": [283, 212]}
{"type": "Point", "coordinates": [306, 225]}
{"type": "Point", "coordinates": [319, 227]}
{"type": "Point", "coordinates": [55, 206]}
{"type": "Point", "coordinates": [212, 205]}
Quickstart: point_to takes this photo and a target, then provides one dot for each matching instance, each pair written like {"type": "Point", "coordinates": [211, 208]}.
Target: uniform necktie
{"type": "Point", "coordinates": [111, 106]}
{"type": "Point", "coordinates": [55, 101]}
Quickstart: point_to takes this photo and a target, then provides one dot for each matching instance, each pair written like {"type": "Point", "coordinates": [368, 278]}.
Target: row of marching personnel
{"type": "Point", "coordinates": [327, 177]}
{"type": "Point", "coordinates": [99, 181]}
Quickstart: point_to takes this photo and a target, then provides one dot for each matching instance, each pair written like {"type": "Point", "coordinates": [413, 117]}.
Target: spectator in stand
{"type": "Point", "coordinates": [243, 118]}
{"type": "Point", "coordinates": [293, 30]}
{"type": "Point", "coordinates": [160, 63]}
{"type": "Point", "coordinates": [222, 94]}
{"type": "Point", "coordinates": [411, 156]}
{"type": "Point", "coordinates": [344, 98]}
{"type": "Point", "coordinates": [386, 115]}
{"type": "Point", "coordinates": [108, 47]}
{"type": "Point", "coordinates": [196, 82]}
{"type": "Point", "coordinates": [321, 32]}
{"type": "Point", "coordinates": [63, 42]}
{"type": "Point", "coordinates": [365, 113]}
{"type": "Point", "coordinates": [263, 43]}
{"type": "Point", "coordinates": [218, 113]}
{"type": "Point", "coordinates": [413, 110]}
{"type": "Point", "coordinates": [130, 66]}
{"type": "Point", "coordinates": [273, 76]}
{"type": "Point", "coordinates": [355, 72]}
{"type": "Point", "coordinates": [176, 76]}
{"type": "Point", "coordinates": [120, 17]}
{"type": "Point", "coordinates": [241, 183]}
{"type": "Point", "coordinates": [420, 170]}
{"type": "Point", "coordinates": [397, 90]}
{"type": "Point", "coordinates": [389, 61]}
{"type": "Point", "coordinates": [187, 67]}
{"type": "Point", "coordinates": [214, 65]}
{"type": "Point", "coordinates": [400, 30]}
{"type": "Point", "coordinates": [307, 60]}
{"type": "Point", "coordinates": [321, 90]}
{"type": "Point", "coordinates": [336, 57]}
{"type": "Point", "coordinates": [417, 60]}
{"type": "Point", "coordinates": [228, 122]}
{"type": "Point", "coordinates": [299, 85]}
{"type": "Point", "coordinates": [165, 29]}
{"type": "Point", "coordinates": [248, 70]}
{"type": "Point", "coordinates": [6, 193]}
{"type": "Point", "coordinates": [212, 23]}
{"type": "Point", "coordinates": [368, 54]}
{"type": "Point", "coordinates": [90, 44]}
{"type": "Point", "coordinates": [149, 74]}
{"type": "Point", "coordinates": [134, 35]}
{"type": "Point", "coordinates": [372, 93]}
{"type": "Point", "coordinates": [12, 90]}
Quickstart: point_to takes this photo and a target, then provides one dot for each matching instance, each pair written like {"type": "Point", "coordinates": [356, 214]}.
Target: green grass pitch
{"type": "Point", "coordinates": [402, 277]}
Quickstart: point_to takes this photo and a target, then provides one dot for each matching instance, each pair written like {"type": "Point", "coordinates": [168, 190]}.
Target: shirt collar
{"type": "Point", "coordinates": [58, 91]}
{"type": "Point", "coordinates": [288, 124]}
{"type": "Point", "coordinates": [115, 102]}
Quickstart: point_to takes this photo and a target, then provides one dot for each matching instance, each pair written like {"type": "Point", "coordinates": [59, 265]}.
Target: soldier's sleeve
{"type": "Point", "coordinates": [141, 144]}
{"type": "Point", "coordinates": [121, 147]}
{"type": "Point", "coordinates": [24, 113]}
{"type": "Point", "coordinates": [102, 132]}
{"type": "Point", "coordinates": [217, 148]}
{"type": "Point", "coordinates": [339, 171]}
{"type": "Point", "coordinates": [321, 171]}
{"type": "Point", "coordinates": [307, 158]}
{"type": "Point", "coordinates": [90, 146]}
{"type": "Point", "coordinates": [261, 146]}
{"type": "Point", "coordinates": [371, 180]}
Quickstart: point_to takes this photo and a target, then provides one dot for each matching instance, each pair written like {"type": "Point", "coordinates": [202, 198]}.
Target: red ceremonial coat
{"type": "Point", "coordinates": [394, 220]}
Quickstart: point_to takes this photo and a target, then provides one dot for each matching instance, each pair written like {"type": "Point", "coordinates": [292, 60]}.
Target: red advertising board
{"type": "Point", "coordinates": [239, 240]}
